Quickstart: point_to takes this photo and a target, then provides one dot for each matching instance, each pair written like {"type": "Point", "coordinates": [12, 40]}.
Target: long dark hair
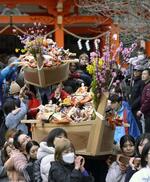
{"type": "Point", "coordinates": [16, 137]}
{"type": "Point", "coordinates": [115, 98]}
{"type": "Point", "coordinates": [30, 144]}
{"type": "Point", "coordinates": [144, 155]}
{"type": "Point", "coordinates": [126, 138]}
{"type": "Point", "coordinates": [140, 140]}
{"type": "Point", "coordinates": [9, 106]}
{"type": "Point", "coordinates": [4, 155]}
{"type": "Point", "coordinates": [56, 132]}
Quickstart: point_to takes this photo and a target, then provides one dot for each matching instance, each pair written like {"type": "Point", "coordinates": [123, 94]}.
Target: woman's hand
{"type": "Point", "coordinates": [82, 162]}
{"type": "Point", "coordinates": [139, 113]}
{"type": "Point", "coordinates": [135, 163]}
{"type": "Point", "coordinates": [79, 162]}
{"type": "Point", "coordinates": [122, 166]}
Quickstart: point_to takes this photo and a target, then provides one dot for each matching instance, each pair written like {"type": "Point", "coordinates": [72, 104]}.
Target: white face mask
{"type": "Point", "coordinates": [69, 157]}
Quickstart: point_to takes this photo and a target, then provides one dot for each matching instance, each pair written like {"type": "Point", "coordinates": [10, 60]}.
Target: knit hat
{"type": "Point", "coordinates": [138, 68]}
{"type": "Point", "coordinates": [14, 88]}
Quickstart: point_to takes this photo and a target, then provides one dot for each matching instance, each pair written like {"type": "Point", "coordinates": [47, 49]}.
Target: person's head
{"type": "Point", "coordinates": [127, 145]}
{"type": "Point", "coordinates": [6, 151]}
{"type": "Point", "coordinates": [145, 157]}
{"type": "Point", "coordinates": [64, 151]}
{"type": "Point", "coordinates": [9, 106]}
{"type": "Point", "coordinates": [10, 136]}
{"type": "Point", "coordinates": [14, 88]}
{"type": "Point", "coordinates": [146, 74]}
{"type": "Point", "coordinates": [141, 141]}
{"type": "Point", "coordinates": [11, 59]}
{"type": "Point", "coordinates": [32, 148]}
{"type": "Point", "coordinates": [73, 67]}
{"type": "Point", "coordinates": [58, 90]}
{"type": "Point", "coordinates": [116, 102]}
{"type": "Point", "coordinates": [20, 140]}
{"type": "Point", "coordinates": [137, 71]}
{"type": "Point", "coordinates": [55, 133]}
{"type": "Point", "coordinates": [83, 59]}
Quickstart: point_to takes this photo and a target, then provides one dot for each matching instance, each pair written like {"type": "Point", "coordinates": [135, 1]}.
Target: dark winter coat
{"type": "Point", "coordinates": [33, 171]}
{"type": "Point", "coordinates": [129, 173]}
{"type": "Point", "coordinates": [136, 92]}
{"type": "Point", "coordinates": [61, 172]}
{"type": "Point", "coordinates": [145, 100]}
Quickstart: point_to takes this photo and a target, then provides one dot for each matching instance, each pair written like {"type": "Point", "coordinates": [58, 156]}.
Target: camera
{"type": "Point", "coordinates": [137, 162]}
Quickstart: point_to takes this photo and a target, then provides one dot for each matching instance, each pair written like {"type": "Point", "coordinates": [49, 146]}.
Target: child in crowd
{"type": "Point", "coordinates": [122, 111]}
{"type": "Point", "coordinates": [67, 167]}
{"type": "Point", "coordinates": [117, 171]}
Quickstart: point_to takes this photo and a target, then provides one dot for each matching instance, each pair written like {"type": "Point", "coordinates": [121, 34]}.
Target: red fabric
{"type": "Point", "coordinates": [63, 95]}
{"type": "Point", "coordinates": [33, 103]}
{"type": "Point", "coordinates": [75, 75]}
{"type": "Point", "coordinates": [125, 121]}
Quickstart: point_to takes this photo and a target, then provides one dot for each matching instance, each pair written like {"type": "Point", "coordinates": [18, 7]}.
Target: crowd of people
{"type": "Point", "coordinates": [23, 159]}
{"type": "Point", "coordinates": [54, 158]}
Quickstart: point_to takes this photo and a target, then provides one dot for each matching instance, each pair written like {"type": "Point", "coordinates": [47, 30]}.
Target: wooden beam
{"type": "Point", "coordinates": [115, 40]}
{"type": "Point", "coordinates": [32, 2]}
{"type": "Point", "coordinates": [47, 4]}
{"type": "Point", "coordinates": [50, 20]}
{"type": "Point", "coordinates": [46, 20]}
{"type": "Point", "coordinates": [59, 34]}
{"type": "Point", "coordinates": [67, 7]}
{"type": "Point", "coordinates": [147, 45]}
{"type": "Point", "coordinates": [86, 20]}
{"type": "Point", "coordinates": [81, 30]}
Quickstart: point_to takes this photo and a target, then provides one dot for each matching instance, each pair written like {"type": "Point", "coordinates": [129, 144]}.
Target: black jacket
{"type": "Point", "coordinates": [32, 171]}
{"type": "Point", "coordinates": [129, 174]}
{"type": "Point", "coordinates": [136, 93]}
{"type": "Point", "coordinates": [62, 172]}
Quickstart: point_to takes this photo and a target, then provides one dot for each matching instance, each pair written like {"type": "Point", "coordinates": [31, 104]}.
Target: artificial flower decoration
{"type": "Point", "coordinates": [101, 70]}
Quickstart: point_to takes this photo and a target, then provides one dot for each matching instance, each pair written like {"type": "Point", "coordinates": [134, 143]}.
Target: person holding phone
{"type": "Point", "coordinates": [117, 170]}
{"type": "Point", "coordinates": [143, 174]}
{"type": "Point", "coordinates": [135, 162]}
{"type": "Point", "coordinates": [67, 167]}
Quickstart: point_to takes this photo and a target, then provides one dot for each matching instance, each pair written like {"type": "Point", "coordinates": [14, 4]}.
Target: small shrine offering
{"type": "Point", "coordinates": [77, 107]}
{"type": "Point", "coordinates": [43, 60]}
